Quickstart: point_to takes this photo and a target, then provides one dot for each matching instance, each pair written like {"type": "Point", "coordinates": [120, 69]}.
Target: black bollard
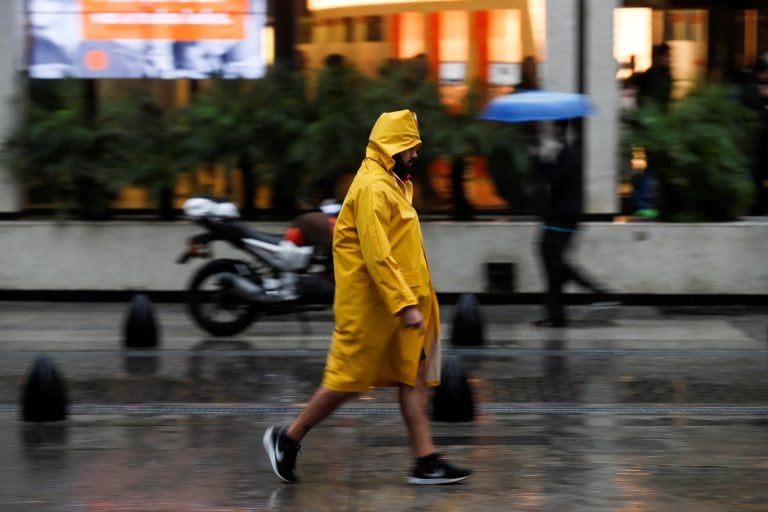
{"type": "Point", "coordinates": [140, 329]}
{"type": "Point", "coordinates": [453, 400]}
{"type": "Point", "coordinates": [467, 322]}
{"type": "Point", "coordinates": [44, 397]}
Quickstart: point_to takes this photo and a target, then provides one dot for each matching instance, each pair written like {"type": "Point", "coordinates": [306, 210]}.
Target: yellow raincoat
{"type": "Point", "coordinates": [380, 268]}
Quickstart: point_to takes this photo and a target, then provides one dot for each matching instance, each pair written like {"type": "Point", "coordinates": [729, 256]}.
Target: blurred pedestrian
{"type": "Point", "coordinates": [529, 75]}
{"type": "Point", "coordinates": [385, 309]}
{"type": "Point", "coordinates": [754, 94]}
{"type": "Point", "coordinates": [562, 169]}
{"type": "Point", "coordinates": [653, 86]}
{"type": "Point", "coordinates": [655, 83]}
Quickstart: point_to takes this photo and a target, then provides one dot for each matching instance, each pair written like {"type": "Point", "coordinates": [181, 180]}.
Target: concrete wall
{"type": "Point", "coordinates": [642, 258]}
{"type": "Point", "coordinates": [10, 54]}
{"type": "Point", "coordinates": [560, 72]}
{"type": "Point", "coordinates": [603, 129]}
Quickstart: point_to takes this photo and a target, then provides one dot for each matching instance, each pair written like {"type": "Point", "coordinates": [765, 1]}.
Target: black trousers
{"type": "Point", "coordinates": [553, 247]}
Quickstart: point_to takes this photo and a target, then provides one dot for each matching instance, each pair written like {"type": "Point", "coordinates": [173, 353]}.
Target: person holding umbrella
{"type": "Point", "coordinates": [561, 167]}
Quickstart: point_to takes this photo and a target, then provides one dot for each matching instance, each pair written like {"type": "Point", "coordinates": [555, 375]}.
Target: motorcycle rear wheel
{"type": "Point", "coordinates": [215, 309]}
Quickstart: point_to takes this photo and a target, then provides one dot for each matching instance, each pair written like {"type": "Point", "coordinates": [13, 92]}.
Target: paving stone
{"type": "Point", "coordinates": [650, 409]}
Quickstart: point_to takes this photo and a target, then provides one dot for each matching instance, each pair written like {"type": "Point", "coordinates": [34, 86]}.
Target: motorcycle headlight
{"type": "Point", "coordinates": [198, 207]}
{"type": "Point", "coordinates": [226, 211]}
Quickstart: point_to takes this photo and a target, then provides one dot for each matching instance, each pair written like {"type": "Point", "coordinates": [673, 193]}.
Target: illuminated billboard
{"type": "Point", "coordinates": [318, 5]}
{"type": "Point", "coordinates": [146, 38]}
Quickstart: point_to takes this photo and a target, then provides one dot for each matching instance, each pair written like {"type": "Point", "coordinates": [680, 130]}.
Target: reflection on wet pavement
{"type": "Point", "coordinates": [224, 376]}
{"type": "Point", "coordinates": [359, 463]}
{"type": "Point", "coordinates": [571, 421]}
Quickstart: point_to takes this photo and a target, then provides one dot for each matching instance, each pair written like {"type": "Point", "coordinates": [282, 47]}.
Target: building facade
{"type": "Point", "coordinates": [583, 46]}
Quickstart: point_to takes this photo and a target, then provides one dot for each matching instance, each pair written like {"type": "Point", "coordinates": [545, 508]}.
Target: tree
{"type": "Point", "coordinates": [64, 156]}
{"type": "Point", "coordinates": [254, 126]}
{"type": "Point", "coordinates": [335, 138]}
{"type": "Point", "coordinates": [458, 134]}
{"type": "Point", "coordinates": [702, 145]}
{"type": "Point", "coordinates": [151, 144]}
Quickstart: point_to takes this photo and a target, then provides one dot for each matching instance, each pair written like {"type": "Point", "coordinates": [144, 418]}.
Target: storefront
{"type": "Point", "coordinates": [710, 40]}
{"type": "Point", "coordinates": [169, 47]}
{"type": "Point", "coordinates": [578, 45]}
{"type": "Point", "coordinates": [462, 40]}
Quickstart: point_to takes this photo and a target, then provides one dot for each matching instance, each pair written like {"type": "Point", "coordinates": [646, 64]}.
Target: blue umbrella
{"type": "Point", "coordinates": [537, 106]}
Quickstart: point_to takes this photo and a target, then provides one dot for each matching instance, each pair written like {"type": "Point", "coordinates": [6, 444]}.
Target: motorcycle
{"type": "Point", "coordinates": [277, 274]}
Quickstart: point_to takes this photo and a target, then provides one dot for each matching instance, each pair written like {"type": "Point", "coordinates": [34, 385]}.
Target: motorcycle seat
{"type": "Point", "coordinates": [269, 238]}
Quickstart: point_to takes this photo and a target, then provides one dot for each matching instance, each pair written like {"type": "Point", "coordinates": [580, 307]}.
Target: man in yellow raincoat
{"type": "Point", "coordinates": [385, 309]}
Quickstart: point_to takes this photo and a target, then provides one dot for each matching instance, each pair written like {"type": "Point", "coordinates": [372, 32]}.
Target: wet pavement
{"type": "Point", "coordinates": [634, 409]}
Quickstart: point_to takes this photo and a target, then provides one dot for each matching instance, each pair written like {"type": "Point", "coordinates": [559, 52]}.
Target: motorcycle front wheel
{"type": "Point", "coordinates": [215, 309]}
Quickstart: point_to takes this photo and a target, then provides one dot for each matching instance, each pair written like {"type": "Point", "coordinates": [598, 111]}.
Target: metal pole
{"type": "Point", "coordinates": [578, 124]}
{"type": "Point", "coordinates": [582, 47]}
{"type": "Point", "coordinates": [285, 32]}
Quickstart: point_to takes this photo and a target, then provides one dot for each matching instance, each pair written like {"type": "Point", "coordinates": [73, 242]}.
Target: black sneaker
{"type": "Point", "coordinates": [282, 453]}
{"type": "Point", "coordinates": [435, 471]}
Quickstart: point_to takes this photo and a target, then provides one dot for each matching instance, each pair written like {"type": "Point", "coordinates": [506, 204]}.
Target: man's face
{"type": "Point", "coordinates": [407, 157]}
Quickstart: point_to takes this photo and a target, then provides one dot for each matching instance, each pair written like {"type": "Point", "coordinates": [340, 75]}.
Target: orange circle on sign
{"type": "Point", "coordinates": [96, 60]}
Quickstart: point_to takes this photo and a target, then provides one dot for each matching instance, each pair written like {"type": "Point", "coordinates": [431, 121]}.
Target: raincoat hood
{"type": "Point", "coordinates": [394, 132]}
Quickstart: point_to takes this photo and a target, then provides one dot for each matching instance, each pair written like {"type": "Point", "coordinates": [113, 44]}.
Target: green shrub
{"type": "Point", "coordinates": [699, 151]}
{"type": "Point", "coordinates": [65, 156]}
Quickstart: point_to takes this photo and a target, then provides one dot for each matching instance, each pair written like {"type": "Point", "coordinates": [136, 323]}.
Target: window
{"type": "Point", "coordinates": [454, 46]}
{"type": "Point", "coordinates": [412, 35]}
{"type": "Point", "coordinates": [349, 29]}
{"type": "Point", "coordinates": [504, 46]}
{"type": "Point", "coordinates": [374, 29]}
{"type": "Point", "coordinates": [632, 40]}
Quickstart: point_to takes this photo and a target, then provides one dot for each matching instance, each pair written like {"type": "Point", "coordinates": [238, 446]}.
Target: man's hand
{"type": "Point", "coordinates": [411, 317]}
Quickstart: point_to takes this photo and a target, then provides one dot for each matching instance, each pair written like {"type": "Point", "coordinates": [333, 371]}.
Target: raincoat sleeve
{"type": "Point", "coordinates": [373, 220]}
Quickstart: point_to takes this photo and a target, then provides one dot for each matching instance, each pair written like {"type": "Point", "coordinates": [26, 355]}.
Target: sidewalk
{"type": "Point", "coordinates": [641, 408]}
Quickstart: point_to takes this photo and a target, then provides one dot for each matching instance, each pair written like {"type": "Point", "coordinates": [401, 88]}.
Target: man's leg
{"type": "Point", "coordinates": [429, 469]}
{"type": "Point", "coordinates": [323, 402]}
{"type": "Point", "coordinates": [552, 246]}
{"type": "Point", "coordinates": [645, 188]}
{"type": "Point", "coordinates": [282, 444]}
{"type": "Point", "coordinates": [569, 272]}
{"type": "Point", "coordinates": [413, 405]}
